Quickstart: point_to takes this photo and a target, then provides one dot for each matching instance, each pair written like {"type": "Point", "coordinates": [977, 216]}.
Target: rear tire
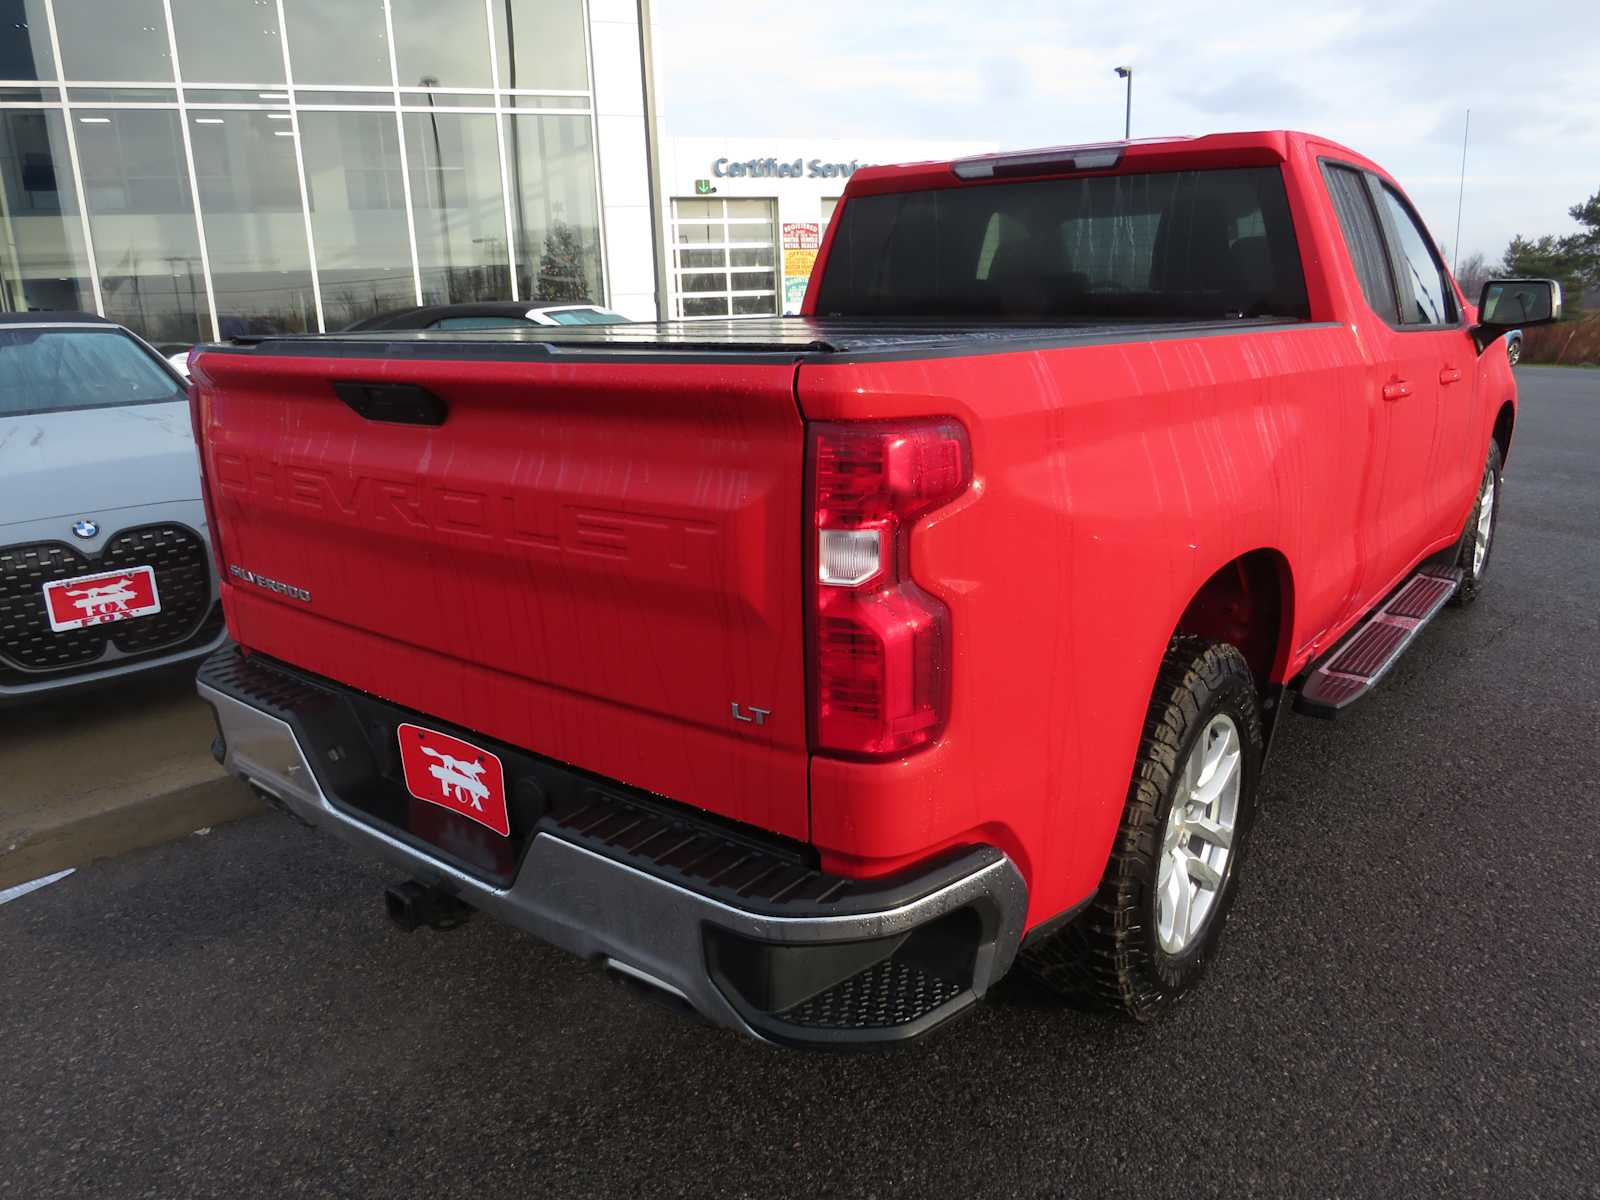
{"type": "Point", "coordinates": [1477, 538]}
{"type": "Point", "coordinates": [1125, 951]}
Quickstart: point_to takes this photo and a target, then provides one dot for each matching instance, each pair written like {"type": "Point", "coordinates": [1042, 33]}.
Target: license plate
{"type": "Point", "coordinates": [101, 599]}
{"type": "Point", "coordinates": [457, 775]}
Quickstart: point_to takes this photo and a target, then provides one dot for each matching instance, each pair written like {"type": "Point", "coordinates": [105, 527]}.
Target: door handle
{"type": "Point", "coordinates": [1449, 375]}
{"type": "Point", "coordinates": [1397, 389]}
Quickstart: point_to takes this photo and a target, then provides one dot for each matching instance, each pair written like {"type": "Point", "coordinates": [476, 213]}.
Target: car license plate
{"type": "Point", "coordinates": [457, 775]}
{"type": "Point", "coordinates": [101, 599]}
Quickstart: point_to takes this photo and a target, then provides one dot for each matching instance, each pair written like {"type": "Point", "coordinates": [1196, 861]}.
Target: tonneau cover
{"type": "Point", "coordinates": [762, 337]}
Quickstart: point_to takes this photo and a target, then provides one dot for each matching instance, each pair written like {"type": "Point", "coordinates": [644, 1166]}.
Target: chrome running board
{"type": "Point", "coordinates": [1356, 665]}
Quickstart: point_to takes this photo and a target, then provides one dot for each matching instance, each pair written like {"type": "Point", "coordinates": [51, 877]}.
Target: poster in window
{"type": "Point", "coordinates": [801, 235]}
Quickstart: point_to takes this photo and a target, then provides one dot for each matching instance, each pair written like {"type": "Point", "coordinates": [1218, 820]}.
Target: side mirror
{"type": "Point", "coordinates": [1507, 304]}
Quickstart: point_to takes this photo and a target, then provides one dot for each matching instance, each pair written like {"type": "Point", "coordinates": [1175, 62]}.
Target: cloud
{"type": "Point", "coordinates": [1393, 80]}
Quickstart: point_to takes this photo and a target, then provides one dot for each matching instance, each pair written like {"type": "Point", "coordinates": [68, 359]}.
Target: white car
{"type": "Point", "coordinates": [106, 565]}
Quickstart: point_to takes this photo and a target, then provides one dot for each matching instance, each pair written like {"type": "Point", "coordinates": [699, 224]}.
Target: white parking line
{"type": "Point", "coordinates": [33, 885]}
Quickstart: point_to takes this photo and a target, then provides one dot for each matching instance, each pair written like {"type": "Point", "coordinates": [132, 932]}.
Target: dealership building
{"type": "Point", "coordinates": [743, 216]}
{"type": "Point", "coordinates": [205, 168]}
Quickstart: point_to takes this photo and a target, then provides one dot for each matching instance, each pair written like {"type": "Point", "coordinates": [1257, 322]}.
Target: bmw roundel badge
{"type": "Point", "coordinates": [85, 528]}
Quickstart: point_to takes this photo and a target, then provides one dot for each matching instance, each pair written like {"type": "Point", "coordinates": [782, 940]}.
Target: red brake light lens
{"type": "Point", "coordinates": [880, 644]}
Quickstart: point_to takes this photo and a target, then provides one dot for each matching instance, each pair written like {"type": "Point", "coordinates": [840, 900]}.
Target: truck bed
{"type": "Point", "coordinates": [759, 338]}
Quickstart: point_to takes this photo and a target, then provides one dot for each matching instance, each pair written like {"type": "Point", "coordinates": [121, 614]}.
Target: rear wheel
{"type": "Point", "coordinates": [1514, 351]}
{"type": "Point", "coordinates": [1151, 929]}
{"type": "Point", "coordinates": [1477, 539]}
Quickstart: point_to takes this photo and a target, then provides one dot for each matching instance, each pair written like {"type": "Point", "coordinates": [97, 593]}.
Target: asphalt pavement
{"type": "Point", "coordinates": [1408, 1002]}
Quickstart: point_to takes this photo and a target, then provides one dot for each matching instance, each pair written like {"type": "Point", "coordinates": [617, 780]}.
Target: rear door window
{"type": "Point", "coordinates": [1363, 238]}
{"type": "Point", "coordinates": [1432, 299]}
{"type": "Point", "coordinates": [58, 370]}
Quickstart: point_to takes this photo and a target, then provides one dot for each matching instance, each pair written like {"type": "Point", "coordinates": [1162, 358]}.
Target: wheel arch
{"type": "Point", "coordinates": [1247, 602]}
{"type": "Point", "coordinates": [1503, 423]}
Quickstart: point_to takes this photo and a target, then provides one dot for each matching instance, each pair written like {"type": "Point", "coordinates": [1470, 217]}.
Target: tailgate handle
{"type": "Point", "coordinates": [399, 403]}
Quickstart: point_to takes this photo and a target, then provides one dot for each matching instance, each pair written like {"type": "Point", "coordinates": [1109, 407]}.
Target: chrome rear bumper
{"type": "Point", "coordinates": [750, 969]}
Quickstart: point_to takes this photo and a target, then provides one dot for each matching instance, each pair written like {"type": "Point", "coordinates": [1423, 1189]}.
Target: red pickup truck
{"type": "Point", "coordinates": [813, 671]}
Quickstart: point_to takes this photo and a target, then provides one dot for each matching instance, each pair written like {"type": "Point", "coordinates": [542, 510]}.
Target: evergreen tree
{"type": "Point", "coordinates": [1574, 260]}
{"type": "Point", "coordinates": [561, 270]}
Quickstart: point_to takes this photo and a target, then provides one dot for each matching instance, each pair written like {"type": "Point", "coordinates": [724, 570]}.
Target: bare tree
{"type": "Point", "coordinates": [1475, 271]}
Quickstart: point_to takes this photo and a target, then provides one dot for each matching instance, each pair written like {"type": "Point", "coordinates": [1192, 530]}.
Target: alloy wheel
{"type": "Point", "coordinates": [1485, 530]}
{"type": "Point", "coordinates": [1198, 839]}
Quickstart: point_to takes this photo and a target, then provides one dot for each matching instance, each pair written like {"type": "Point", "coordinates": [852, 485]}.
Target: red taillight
{"type": "Point", "coordinates": [880, 644]}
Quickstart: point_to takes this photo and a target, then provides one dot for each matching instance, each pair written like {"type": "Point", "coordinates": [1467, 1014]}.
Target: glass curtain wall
{"type": "Point", "coordinates": [358, 214]}
{"type": "Point", "coordinates": [196, 168]}
{"type": "Point", "coordinates": [43, 263]}
{"type": "Point", "coordinates": [142, 221]}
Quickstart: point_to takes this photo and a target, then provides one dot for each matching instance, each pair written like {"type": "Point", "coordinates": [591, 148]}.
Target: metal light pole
{"type": "Point", "coordinates": [1127, 119]}
{"type": "Point", "coordinates": [514, 124]}
{"type": "Point", "coordinates": [429, 81]}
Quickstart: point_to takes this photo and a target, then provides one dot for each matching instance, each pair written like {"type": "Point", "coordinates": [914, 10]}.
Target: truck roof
{"type": "Point", "coordinates": [1248, 149]}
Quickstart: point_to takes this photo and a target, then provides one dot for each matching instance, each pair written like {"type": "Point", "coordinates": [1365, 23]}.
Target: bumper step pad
{"type": "Point", "coordinates": [1357, 664]}
{"type": "Point", "coordinates": [887, 994]}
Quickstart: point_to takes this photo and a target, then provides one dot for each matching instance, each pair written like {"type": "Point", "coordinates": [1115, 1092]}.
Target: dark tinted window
{"type": "Point", "coordinates": [1431, 301]}
{"type": "Point", "coordinates": [1353, 203]}
{"type": "Point", "coordinates": [1194, 244]}
{"type": "Point", "coordinates": [587, 316]}
{"type": "Point", "coordinates": [53, 370]}
{"type": "Point", "coordinates": [478, 322]}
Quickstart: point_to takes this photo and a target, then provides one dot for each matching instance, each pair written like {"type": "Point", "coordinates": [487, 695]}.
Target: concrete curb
{"type": "Point", "coordinates": [117, 827]}
{"type": "Point", "coordinates": [115, 769]}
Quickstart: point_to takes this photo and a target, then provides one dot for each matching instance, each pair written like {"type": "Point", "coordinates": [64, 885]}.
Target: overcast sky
{"type": "Point", "coordinates": [1391, 80]}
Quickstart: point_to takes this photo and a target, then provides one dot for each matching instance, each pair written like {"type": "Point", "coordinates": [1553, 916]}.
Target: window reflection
{"type": "Point", "coordinates": [122, 41]}
{"type": "Point", "coordinates": [540, 44]}
{"type": "Point", "coordinates": [255, 234]}
{"type": "Point", "coordinates": [477, 182]}
{"type": "Point", "coordinates": [141, 217]}
{"type": "Point", "coordinates": [25, 41]}
{"type": "Point", "coordinates": [456, 200]}
{"type": "Point", "coordinates": [342, 43]}
{"type": "Point", "coordinates": [441, 43]}
{"type": "Point", "coordinates": [228, 41]}
{"type": "Point", "coordinates": [554, 207]}
{"type": "Point", "coordinates": [1418, 264]}
{"type": "Point", "coordinates": [358, 214]}
{"type": "Point", "coordinates": [42, 259]}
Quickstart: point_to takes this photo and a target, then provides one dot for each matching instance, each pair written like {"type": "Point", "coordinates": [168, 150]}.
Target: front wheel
{"type": "Point", "coordinates": [1151, 929]}
{"type": "Point", "coordinates": [1477, 539]}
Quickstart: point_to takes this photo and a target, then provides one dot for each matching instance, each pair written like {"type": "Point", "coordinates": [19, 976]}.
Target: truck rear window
{"type": "Point", "coordinates": [1203, 245]}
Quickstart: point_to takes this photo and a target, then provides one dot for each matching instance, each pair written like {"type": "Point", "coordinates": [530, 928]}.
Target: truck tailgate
{"type": "Point", "coordinates": [598, 561]}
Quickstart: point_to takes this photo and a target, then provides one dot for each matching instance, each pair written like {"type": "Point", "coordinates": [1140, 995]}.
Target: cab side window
{"type": "Point", "coordinates": [1432, 300]}
{"type": "Point", "coordinates": [1364, 239]}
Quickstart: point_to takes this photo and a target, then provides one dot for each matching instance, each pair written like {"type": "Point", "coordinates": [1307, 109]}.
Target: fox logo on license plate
{"type": "Point", "coordinates": [101, 599]}
{"type": "Point", "coordinates": [457, 775]}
